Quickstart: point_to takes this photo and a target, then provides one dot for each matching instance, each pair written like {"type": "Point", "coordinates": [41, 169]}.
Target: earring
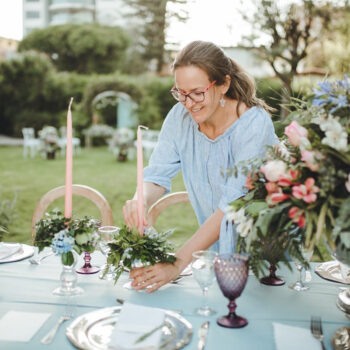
{"type": "Point", "coordinates": [222, 102]}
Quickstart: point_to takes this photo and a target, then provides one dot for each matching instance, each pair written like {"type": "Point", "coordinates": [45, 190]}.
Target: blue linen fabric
{"type": "Point", "coordinates": [203, 161]}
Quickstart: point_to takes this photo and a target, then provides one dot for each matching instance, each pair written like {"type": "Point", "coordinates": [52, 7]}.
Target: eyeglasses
{"type": "Point", "coordinates": [195, 96]}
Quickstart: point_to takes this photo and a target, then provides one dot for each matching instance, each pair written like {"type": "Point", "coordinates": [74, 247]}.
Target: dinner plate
{"type": "Point", "coordinates": [92, 331]}
{"type": "Point", "coordinates": [330, 270]}
{"type": "Point", "coordinates": [25, 252]}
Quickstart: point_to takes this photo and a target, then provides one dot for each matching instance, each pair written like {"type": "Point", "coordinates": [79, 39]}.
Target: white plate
{"type": "Point", "coordinates": [92, 330]}
{"type": "Point", "coordinates": [25, 252]}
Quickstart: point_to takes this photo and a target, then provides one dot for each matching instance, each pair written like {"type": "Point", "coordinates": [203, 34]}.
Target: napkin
{"type": "Point", "coordinates": [7, 250]}
{"type": "Point", "coordinates": [133, 322]}
{"type": "Point", "coordinates": [291, 338]}
{"type": "Point", "coordinates": [331, 271]}
{"type": "Point", "coordinates": [21, 326]}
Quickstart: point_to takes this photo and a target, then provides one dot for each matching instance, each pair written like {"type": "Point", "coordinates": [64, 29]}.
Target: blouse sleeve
{"type": "Point", "coordinates": [254, 135]}
{"type": "Point", "coordinates": [164, 162]}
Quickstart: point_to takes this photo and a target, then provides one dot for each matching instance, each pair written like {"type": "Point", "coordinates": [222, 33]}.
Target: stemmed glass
{"type": "Point", "coordinates": [307, 253]}
{"type": "Point", "coordinates": [107, 235]}
{"type": "Point", "coordinates": [232, 273]}
{"type": "Point", "coordinates": [203, 273]}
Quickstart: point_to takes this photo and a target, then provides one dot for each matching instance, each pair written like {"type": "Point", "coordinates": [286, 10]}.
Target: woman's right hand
{"type": "Point", "coordinates": [130, 214]}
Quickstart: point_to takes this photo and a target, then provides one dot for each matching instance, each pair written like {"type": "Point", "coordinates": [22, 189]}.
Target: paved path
{"type": "Point", "coordinates": [10, 141]}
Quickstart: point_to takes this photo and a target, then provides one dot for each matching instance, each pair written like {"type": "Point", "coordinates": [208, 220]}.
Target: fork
{"type": "Point", "coordinates": [37, 260]}
{"type": "Point", "coordinates": [49, 336]}
{"type": "Point", "coordinates": [316, 329]}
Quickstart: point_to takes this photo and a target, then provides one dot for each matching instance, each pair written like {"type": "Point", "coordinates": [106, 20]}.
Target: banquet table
{"type": "Point", "coordinates": [26, 287]}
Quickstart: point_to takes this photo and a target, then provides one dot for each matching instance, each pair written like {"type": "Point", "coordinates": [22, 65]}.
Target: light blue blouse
{"type": "Point", "coordinates": [182, 146]}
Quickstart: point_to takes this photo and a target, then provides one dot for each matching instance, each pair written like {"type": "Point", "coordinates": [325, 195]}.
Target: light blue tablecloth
{"type": "Point", "coordinates": [25, 287]}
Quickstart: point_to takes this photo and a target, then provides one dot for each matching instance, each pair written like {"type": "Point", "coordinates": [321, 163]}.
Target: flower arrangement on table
{"type": "Point", "coordinates": [300, 193]}
{"type": "Point", "coordinates": [49, 137]}
{"type": "Point", "coordinates": [65, 235]}
{"type": "Point", "coordinates": [130, 248]}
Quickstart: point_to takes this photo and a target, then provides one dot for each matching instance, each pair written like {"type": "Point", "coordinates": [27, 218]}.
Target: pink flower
{"type": "Point", "coordinates": [249, 181]}
{"type": "Point", "coordinates": [347, 184]}
{"type": "Point", "coordinates": [310, 159]}
{"type": "Point", "coordinates": [287, 180]}
{"type": "Point", "coordinates": [276, 197]}
{"type": "Point", "coordinates": [273, 169]}
{"type": "Point", "coordinates": [297, 215]}
{"type": "Point", "coordinates": [297, 135]}
{"type": "Point", "coordinates": [271, 187]}
{"type": "Point", "coordinates": [307, 191]}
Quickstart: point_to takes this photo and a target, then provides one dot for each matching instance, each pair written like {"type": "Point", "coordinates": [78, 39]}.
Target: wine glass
{"type": "Point", "coordinates": [203, 273]}
{"type": "Point", "coordinates": [107, 235]}
{"type": "Point", "coordinates": [232, 273]}
{"type": "Point", "coordinates": [307, 253]}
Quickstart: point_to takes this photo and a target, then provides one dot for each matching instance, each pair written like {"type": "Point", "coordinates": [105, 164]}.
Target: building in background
{"type": "Point", "coordinates": [38, 14]}
{"type": "Point", "coordinates": [8, 48]}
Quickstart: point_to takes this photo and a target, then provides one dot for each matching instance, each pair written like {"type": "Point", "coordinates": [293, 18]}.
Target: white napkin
{"type": "Point", "coordinates": [331, 271]}
{"type": "Point", "coordinates": [8, 249]}
{"type": "Point", "coordinates": [21, 326]}
{"type": "Point", "coordinates": [291, 338]}
{"type": "Point", "coordinates": [134, 321]}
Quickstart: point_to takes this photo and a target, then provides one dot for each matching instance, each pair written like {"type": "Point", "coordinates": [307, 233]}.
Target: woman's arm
{"type": "Point", "coordinates": [152, 193]}
{"type": "Point", "coordinates": [160, 274]}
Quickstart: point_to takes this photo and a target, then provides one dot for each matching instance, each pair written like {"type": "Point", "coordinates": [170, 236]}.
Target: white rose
{"type": "Point", "coordinates": [273, 170]}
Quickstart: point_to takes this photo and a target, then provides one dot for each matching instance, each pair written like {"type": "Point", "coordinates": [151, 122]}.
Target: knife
{"type": "Point", "coordinates": [202, 335]}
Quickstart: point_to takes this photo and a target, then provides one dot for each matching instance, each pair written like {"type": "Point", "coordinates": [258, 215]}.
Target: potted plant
{"type": "Point", "coordinates": [49, 140]}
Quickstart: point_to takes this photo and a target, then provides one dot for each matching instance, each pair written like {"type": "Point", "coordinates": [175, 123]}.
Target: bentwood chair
{"type": "Point", "coordinates": [80, 190]}
{"type": "Point", "coordinates": [163, 203]}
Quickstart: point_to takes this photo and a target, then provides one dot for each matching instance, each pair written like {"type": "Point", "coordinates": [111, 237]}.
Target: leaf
{"type": "Point", "coordinates": [256, 207]}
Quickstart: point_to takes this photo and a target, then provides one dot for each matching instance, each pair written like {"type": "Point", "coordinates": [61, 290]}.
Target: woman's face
{"type": "Point", "coordinates": [193, 79]}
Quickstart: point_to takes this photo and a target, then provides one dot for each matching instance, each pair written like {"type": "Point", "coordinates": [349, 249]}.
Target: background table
{"type": "Point", "coordinates": [26, 287]}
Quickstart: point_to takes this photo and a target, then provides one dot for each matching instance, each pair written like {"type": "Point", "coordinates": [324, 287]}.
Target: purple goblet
{"type": "Point", "coordinates": [231, 273]}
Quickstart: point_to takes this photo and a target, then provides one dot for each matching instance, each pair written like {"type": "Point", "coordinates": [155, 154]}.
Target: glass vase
{"type": "Point", "coordinates": [69, 280]}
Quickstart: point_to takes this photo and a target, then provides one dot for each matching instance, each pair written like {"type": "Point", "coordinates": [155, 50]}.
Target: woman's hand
{"type": "Point", "coordinates": [154, 276]}
{"type": "Point", "coordinates": [130, 214]}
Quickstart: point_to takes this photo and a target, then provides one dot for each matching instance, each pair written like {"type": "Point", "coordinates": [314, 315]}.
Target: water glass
{"type": "Point", "coordinates": [307, 255]}
{"type": "Point", "coordinates": [203, 273]}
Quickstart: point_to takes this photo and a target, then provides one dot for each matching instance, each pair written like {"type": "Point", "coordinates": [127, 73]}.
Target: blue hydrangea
{"type": "Point", "coordinates": [62, 243]}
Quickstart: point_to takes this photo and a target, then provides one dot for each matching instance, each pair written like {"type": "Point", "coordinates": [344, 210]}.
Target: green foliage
{"type": "Point", "coordinates": [130, 247]}
{"type": "Point", "coordinates": [157, 100]}
{"type": "Point", "coordinates": [84, 48]}
{"type": "Point", "coordinates": [7, 213]}
{"type": "Point", "coordinates": [65, 234]}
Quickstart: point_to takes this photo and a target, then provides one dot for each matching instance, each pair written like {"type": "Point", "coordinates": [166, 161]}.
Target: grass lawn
{"type": "Point", "coordinates": [95, 167]}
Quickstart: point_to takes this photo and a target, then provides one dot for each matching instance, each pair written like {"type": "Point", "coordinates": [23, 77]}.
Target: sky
{"type": "Point", "coordinates": [218, 21]}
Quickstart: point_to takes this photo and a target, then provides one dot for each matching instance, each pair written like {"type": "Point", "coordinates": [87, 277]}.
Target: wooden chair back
{"type": "Point", "coordinates": [80, 190]}
{"type": "Point", "coordinates": [164, 202]}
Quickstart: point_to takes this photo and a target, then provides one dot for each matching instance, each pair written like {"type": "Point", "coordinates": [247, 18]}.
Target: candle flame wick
{"type": "Point", "coordinates": [70, 103]}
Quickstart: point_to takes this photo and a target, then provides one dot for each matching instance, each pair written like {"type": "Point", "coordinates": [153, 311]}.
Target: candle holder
{"type": "Point", "coordinates": [87, 268]}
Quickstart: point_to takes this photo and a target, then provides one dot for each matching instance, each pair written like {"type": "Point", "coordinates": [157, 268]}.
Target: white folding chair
{"type": "Point", "coordinates": [31, 145]}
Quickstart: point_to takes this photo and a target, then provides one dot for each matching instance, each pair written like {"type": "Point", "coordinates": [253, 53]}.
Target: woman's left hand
{"type": "Point", "coordinates": [154, 276]}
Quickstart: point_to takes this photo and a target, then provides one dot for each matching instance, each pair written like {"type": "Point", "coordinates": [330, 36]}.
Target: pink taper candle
{"type": "Point", "coordinates": [69, 165]}
{"type": "Point", "coordinates": [139, 192]}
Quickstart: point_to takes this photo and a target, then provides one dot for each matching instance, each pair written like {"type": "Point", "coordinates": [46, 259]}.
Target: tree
{"type": "Point", "coordinates": [152, 18]}
{"type": "Point", "coordinates": [290, 33]}
{"type": "Point", "coordinates": [84, 48]}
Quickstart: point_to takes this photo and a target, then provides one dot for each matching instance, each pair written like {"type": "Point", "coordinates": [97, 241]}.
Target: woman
{"type": "Point", "coordinates": [218, 122]}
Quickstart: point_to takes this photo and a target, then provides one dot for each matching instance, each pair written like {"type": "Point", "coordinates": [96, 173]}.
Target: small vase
{"type": "Point", "coordinates": [69, 281]}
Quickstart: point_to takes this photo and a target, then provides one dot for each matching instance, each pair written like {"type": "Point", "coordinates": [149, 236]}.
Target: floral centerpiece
{"type": "Point", "coordinates": [130, 249]}
{"type": "Point", "coordinates": [49, 137]}
{"type": "Point", "coordinates": [300, 193]}
{"type": "Point", "coordinates": [65, 236]}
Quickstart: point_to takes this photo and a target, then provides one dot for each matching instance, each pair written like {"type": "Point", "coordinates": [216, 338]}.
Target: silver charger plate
{"type": "Point", "coordinates": [25, 252]}
{"type": "Point", "coordinates": [92, 331]}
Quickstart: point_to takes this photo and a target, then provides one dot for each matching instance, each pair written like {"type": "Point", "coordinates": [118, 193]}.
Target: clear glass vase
{"type": "Point", "coordinates": [69, 280]}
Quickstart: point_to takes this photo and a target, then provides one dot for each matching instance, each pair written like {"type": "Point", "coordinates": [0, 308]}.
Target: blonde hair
{"type": "Point", "coordinates": [212, 59]}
